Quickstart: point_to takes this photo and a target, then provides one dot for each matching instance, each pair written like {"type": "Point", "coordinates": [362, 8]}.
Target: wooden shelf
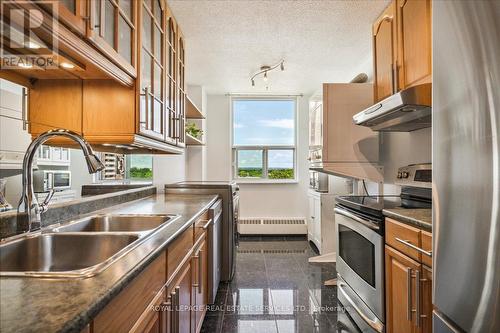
{"type": "Point", "coordinates": [192, 111]}
{"type": "Point", "coordinates": [192, 141]}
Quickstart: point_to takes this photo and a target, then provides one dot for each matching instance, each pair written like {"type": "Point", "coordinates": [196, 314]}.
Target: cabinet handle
{"type": "Point", "coordinates": [146, 106]}
{"type": "Point", "coordinates": [197, 257]}
{"type": "Point", "coordinates": [417, 291]}
{"type": "Point", "coordinates": [24, 109]}
{"type": "Point", "coordinates": [407, 243]}
{"type": "Point", "coordinates": [205, 227]}
{"type": "Point", "coordinates": [408, 295]}
{"type": "Point", "coordinates": [177, 312]}
{"type": "Point", "coordinates": [173, 295]}
{"type": "Point", "coordinates": [200, 274]}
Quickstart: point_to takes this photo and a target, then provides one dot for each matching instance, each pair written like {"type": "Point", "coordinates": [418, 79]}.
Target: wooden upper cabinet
{"type": "Point", "coordinates": [112, 29]}
{"type": "Point", "coordinates": [402, 47]}
{"type": "Point", "coordinates": [153, 118]}
{"type": "Point", "coordinates": [72, 13]}
{"type": "Point", "coordinates": [385, 53]}
{"type": "Point", "coordinates": [172, 75]}
{"type": "Point", "coordinates": [414, 39]}
{"type": "Point", "coordinates": [181, 87]}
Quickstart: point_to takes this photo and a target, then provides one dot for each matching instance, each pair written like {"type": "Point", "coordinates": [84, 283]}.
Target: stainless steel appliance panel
{"type": "Point", "coordinates": [365, 320]}
{"type": "Point", "coordinates": [215, 250]}
{"type": "Point", "coordinates": [229, 192]}
{"type": "Point", "coordinates": [466, 164]}
{"type": "Point", "coordinates": [372, 289]}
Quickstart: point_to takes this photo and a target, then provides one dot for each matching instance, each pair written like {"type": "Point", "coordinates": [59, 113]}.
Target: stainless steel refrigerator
{"type": "Point", "coordinates": [466, 166]}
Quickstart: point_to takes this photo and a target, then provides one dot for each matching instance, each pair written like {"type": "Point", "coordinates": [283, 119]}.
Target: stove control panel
{"type": "Point", "coordinates": [416, 175]}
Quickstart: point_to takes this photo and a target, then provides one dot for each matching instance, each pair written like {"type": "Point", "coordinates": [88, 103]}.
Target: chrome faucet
{"type": "Point", "coordinates": [29, 204]}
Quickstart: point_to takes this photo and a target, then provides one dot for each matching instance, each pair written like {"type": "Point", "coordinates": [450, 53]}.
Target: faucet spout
{"type": "Point", "coordinates": [29, 204]}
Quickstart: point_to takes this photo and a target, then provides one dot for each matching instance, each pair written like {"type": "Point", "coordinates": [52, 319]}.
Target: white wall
{"type": "Point", "coordinates": [168, 169]}
{"type": "Point", "coordinates": [400, 149]}
{"type": "Point", "coordinates": [257, 200]}
{"type": "Point", "coordinates": [196, 163]}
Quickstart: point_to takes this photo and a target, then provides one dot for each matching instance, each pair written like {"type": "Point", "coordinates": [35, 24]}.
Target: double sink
{"type": "Point", "coordinates": [82, 248]}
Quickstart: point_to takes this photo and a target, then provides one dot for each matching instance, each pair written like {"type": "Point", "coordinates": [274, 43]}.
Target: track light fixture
{"type": "Point", "coordinates": [265, 69]}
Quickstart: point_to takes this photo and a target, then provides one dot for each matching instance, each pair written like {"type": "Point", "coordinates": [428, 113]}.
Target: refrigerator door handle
{"type": "Point", "coordinates": [417, 291]}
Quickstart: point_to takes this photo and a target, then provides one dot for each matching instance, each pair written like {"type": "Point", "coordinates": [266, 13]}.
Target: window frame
{"type": "Point", "coordinates": [265, 148]}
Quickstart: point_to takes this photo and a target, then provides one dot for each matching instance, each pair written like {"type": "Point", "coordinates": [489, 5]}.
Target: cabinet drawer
{"type": "Point", "coordinates": [124, 311]}
{"type": "Point", "coordinates": [426, 245]}
{"type": "Point", "coordinates": [395, 232]}
{"type": "Point", "coordinates": [200, 225]}
{"type": "Point", "coordinates": [179, 249]}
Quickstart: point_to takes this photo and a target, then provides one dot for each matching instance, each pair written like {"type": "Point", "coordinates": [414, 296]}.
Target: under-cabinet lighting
{"type": "Point", "coordinates": [33, 45]}
{"type": "Point", "coordinates": [67, 65]}
{"type": "Point", "coordinates": [24, 65]}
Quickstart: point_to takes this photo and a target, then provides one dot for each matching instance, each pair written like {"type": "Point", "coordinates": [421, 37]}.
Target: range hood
{"type": "Point", "coordinates": [405, 111]}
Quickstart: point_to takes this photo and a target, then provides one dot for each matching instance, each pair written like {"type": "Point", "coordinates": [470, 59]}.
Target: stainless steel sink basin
{"type": "Point", "coordinates": [79, 249]}
{"type": "Point", "coordinates": [116, 223]}
{"type": "Point", "coordinates": [63, 255]}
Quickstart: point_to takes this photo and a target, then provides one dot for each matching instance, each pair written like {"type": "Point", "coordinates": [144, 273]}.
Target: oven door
{"type": "Point", "coordinates": [360, 258]}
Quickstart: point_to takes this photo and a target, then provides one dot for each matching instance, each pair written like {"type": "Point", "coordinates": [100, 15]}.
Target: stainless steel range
{"type": "Point", "coordinates": [360, 245]}
{"type": "Point", "coordinates": [229, 192]}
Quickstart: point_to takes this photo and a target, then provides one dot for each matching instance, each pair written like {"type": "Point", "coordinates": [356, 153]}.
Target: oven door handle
{"type": "Point", "coordinates": [356, 218]}
{"type": "Point", "coordinates": [374, 323]}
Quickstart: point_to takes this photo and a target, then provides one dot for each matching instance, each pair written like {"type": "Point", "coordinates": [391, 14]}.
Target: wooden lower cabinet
{"type": "Point", "coordinates": [169, 296]}
{"type": "Point", "coordinates": [180, 294]}
{"type": "Point", "coordinates": [200, 285]}
{"type": "Point", "coordinates": [408, 286]}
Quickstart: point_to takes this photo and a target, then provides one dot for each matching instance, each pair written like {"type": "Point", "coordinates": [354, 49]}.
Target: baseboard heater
{"type": "Point", "coordinates": [272, 226]}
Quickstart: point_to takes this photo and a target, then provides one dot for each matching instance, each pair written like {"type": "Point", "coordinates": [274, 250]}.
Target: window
{"type": "Point", "coordinates": [264, 139]}
{"type": "Point", "coordinates": [126, 167]}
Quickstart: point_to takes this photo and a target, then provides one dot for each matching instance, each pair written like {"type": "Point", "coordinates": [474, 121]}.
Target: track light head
{"type": "Point", "coordinates": [282, 66]}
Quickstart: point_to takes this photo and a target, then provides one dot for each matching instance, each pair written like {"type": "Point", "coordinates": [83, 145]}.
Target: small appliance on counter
{"type": "Point", "coordinates": [229, 192]}
{"type": "Point", "coordinates": [318, 181]}
{"type": "Point", "coordinates": [46, 180]}
{"type": "Point", "coordinates": [360, 244]}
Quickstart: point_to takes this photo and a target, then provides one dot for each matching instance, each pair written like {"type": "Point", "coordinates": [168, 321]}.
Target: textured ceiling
{"type": "Point", "coordinates": [321, 41]}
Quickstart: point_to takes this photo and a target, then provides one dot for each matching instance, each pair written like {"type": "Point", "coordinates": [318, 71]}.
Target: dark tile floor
{"type": "Point", "coordinates": [275, 289]}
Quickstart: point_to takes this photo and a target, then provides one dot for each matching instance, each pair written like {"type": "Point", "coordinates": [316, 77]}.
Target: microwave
{"type": "Point", "coordinates": [46, 180]}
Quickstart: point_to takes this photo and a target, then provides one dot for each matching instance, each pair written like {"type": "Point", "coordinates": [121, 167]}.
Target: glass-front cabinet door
{"type": "Point", "coordinates": [153, 120]}
{"type": "Point", "coordinates": [172, 92]}
{"type": "Point", "coordinates": [112, 30]}
{"type": "Point", "coordinates": [316, 126]}
{"type": "Point", "coordinates": [72, 13]}
{"type": "Point", "coordinates": [181, 86]}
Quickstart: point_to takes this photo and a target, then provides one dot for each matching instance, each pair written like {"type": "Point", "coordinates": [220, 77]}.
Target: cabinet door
{"type": "Point", "coordinates": [310, 220]}
{"type": "Point", "coordinates": [426, 300]}
{"type": "Point", "coordinates": [180, 293]}
{"type": "Point", "coordinates": [317, 221]}
{"type": "Point", "coordinates": [72, 13]}
{"type": "Point", "coordinates": [414, 40]}
{"type": "Point", "coordinates": [155, 317]}
{"type": "Point", "coordinates": [171, 89]}
{"type": "Point", "coordinates": [112, 29]}
{"type": "Point", "coordinates": [384, 53]}
{"type": "Point", "coordinates": [316, 126]}
{"type": "Point", "coordinates": [200, 285]}
{"type": "Point", "coordinates": [152, 108]}
{"type": "Point", "coordinates": [400, 284]}
{"type": "Point", "coordinates": [181, 101]}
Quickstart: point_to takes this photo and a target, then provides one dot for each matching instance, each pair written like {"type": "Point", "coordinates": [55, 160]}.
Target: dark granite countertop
{"type": "Point", "coordinates": [420, 218]}
{"type": "Point", "coordinates": [58, 305]}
